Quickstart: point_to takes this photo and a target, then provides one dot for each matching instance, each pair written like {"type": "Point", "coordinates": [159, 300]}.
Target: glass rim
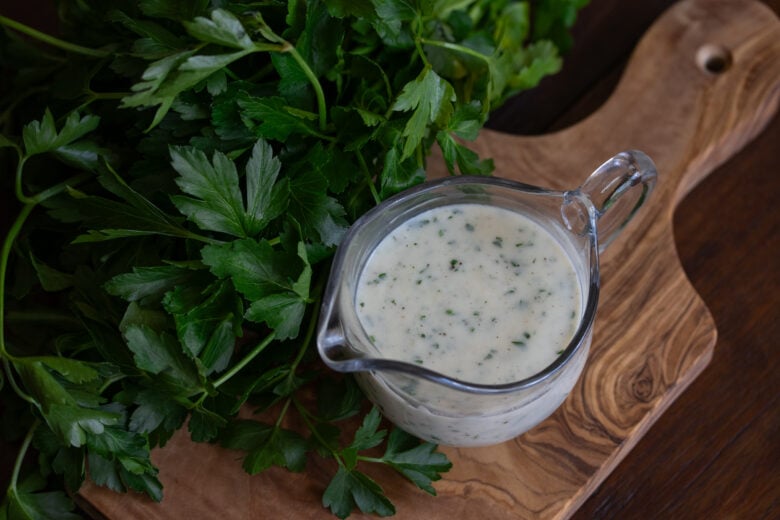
{"type": "Point", "coordinates": [365, 362]}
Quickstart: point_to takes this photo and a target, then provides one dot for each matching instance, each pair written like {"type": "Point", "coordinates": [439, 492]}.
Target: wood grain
{"type": "Point", "coordinates": [715, 452]}
{"type": "Point", "coordinates": [653, 334]}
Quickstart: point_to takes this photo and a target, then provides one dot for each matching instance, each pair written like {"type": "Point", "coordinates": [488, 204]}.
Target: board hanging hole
{"type": "Point", "coordinates": [713, 59]}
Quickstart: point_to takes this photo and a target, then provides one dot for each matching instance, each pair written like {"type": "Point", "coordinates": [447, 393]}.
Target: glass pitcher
{"type": "Point", "coordinates": [454, 411]}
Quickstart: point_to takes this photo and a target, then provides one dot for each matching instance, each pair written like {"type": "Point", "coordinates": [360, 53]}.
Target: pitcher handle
{"type": "Point", "coordinates": [615, 191]}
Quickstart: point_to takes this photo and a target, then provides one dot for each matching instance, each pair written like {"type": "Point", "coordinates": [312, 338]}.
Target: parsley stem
{"type": "Point", "coordinates": [5, 254]}
{"type": "Point", "coordinates": [241, 364]}
{"type": "Point", "coordinates": [54, 190]}
{"type": "Point", "coordinates": [43, 317]}
{"type": "Point", "coordinates": [283, 412]}
{"type": "Point", "coordinates": [470, 52]}
{"type": "Point", "coordinates": [321, 105]}
{"type": "Point", "coordinates": [173, 228]}
{"type": "Point", "coordinates": [418, 28]}
{"type": "Point", "coordinates": [20, 196]}
{"type": "Point", "coordinates": [44, 194]}
{"type": "Point", "coordinates": [371, 459]}
{"type": "Point", "coordinates": [306, 416]}
{"type": "Point", "coordinates": [51, 40]}
{"type": "Point", "coordinates": [110, 381]}
{"type": "Point", "coordinates": [92, 96]}
{"type": "Point", "coordinates": [285, 46]}
{"type": "Point", "coordinates": [421, 52]}
{"type": "Point", "coordinates": [420, 156]}
{"type": "Point", "coordinates": [316, 297]}
{"type": "Point", "coordinates": [302, 350]}
{"type": "Point", "coordinates": [457, 48]}
{"type": "Point", "coordinates": [9, 375]}
{"type": "Point", "coordinates": [20, 456]}
{"type": "Point", "coordinates": [367, 173]}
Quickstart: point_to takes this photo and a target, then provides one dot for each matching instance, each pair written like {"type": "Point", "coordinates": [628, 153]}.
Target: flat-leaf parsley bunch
{"type": "Point", "coordinates": [176, 175]}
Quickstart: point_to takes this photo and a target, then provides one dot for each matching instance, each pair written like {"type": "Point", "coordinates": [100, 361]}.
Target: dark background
{"type": "Point", "coordinates": [716, 452]}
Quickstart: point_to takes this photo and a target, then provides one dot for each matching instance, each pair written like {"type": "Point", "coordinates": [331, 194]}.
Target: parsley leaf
{"type": "Point", "coordinates": [266, 198]}
{"type": "Point", "coordinates": [146, 282]}
{"type": "Point", "coordinates": [468, 161]}
{"type": "Point", "coordinates": [320, 215]}
{"type": "Point", "coordinates": [430, 98]}
{"type": "Point", "coordinates": [198, 165]}
{"type": "Point", "coordinates": [399, 174]}
{"type": "Point", "coordinates": [265, 277]}
{"type": "Point", "coordinates": [223, 28]}
{"type": "Point", "coordinates": [110, 219]}
{"type": "Point", "coordinates": [272, 118]}
{"type": "Point", "coordinates": [284, 311]}
{"type": "Point", "coordinates": [125, 459]}
{"type": "Point", "coordinates": [205, 424]}
{"type": "Point", "coordinates": [161, 354]}
{"type": "Point", "coordinates": [351, 488]}
{"type": "Point", "coordinates": [419, 462]}
{"type": "Point", "coordinates": [338, 399]}
{"type": "Point", "coordinates": [155, 411]}
{"type": "Point", "coordinates": [255, 268]}
{"type": "Point", "coordinates": [207, 323]}
{"type": "Point", "coordinates": [266, 446]}
{"type": "Point", "coordinates": [216, 203]}
{"type": "Point", "coordinates": [42, 136]}
{"type": "Point", "coordinates": [366, 437]}
{"type": "Point", "coordinates": [218, 206]}
{"type": "Point", "coordinates": [61, 409]}
{"type": "Point", "coordinates": [25, 504]}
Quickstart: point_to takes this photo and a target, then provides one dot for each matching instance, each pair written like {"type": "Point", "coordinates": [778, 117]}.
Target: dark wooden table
{"type": "Point", "coordinates": [716, 452]}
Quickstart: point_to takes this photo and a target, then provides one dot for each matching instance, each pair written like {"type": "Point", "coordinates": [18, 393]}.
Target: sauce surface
{"type": "Point", "coordinates": [476, 292]}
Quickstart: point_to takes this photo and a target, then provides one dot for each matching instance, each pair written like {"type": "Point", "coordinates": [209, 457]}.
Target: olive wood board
{"type": "Point", "coordinates": [653, 334]}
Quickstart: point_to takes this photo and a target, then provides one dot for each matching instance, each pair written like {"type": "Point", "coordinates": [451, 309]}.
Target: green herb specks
{"type": "Point", "coordinates": [490, 354]}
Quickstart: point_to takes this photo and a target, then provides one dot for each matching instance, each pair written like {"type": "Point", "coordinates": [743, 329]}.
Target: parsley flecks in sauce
{"type": "Point", "coordinates": [486, 314]}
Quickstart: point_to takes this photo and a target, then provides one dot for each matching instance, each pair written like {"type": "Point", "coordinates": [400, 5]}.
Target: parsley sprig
{"type": "Point", "coordinates": [181, 173]}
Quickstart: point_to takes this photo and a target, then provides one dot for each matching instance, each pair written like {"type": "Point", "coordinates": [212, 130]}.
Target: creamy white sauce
{"type": "Point", "coordinates": [445, 416]}
{"type": "Point", "coordinates": [479, 293]}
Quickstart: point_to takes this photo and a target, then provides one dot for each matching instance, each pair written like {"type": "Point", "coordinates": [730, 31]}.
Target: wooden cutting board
{"type": "Point", "coordinates": [703, 81]}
